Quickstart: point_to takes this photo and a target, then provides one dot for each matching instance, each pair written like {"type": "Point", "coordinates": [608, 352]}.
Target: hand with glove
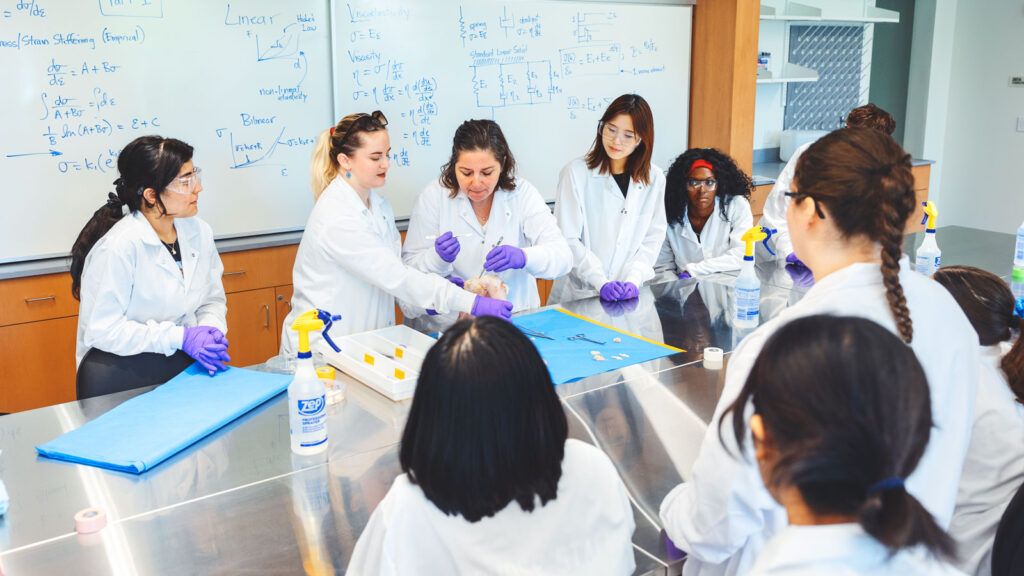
{"type": "Point", "coordinates": [208, 346]}
{"type": "Point", "coordinates": [484, 306]}
{"type": "Point", "coordinates": [504, 257]}
{"type": "Point", "coordinates": [629, 291]}
{"type": "Point", "coordinates": [798, 272]}
{"type": "Point", "coordinates": [447, 247]}
{"type": "Point", "coordinates": [684, 275]}
{"type": "Point", "coordinates": [611, 291]}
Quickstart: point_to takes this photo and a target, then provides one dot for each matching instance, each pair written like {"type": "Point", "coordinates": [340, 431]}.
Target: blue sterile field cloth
{"type": "Point", "coordinates": [570, 360]}
{"type": "Point", "coordinates": [148, 429]}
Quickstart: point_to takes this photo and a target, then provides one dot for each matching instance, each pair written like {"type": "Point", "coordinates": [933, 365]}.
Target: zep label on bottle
{"type": "Point", "coordinates": [312, 421]}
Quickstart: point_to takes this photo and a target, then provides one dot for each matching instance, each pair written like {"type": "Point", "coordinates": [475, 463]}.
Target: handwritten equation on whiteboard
{"type": "Point", "coordinates": [96, 82]}
{"type": "Point", "coordinates": [507, 56]}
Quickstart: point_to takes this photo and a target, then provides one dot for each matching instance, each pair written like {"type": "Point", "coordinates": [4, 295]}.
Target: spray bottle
{"type": "Point", "coordinates": [748, 287]}
{"type": "Point", "coordinates": [307, 405]}
{"type": "Point", "coordinates": [929, 257]}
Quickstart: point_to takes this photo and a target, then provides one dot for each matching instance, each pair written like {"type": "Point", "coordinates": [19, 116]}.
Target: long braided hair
{"type": "Point", "coordinates": [863, 178]}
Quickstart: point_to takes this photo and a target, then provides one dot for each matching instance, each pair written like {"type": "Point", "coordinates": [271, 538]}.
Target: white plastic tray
{"type": "Point", "coordinates": [387, 360]}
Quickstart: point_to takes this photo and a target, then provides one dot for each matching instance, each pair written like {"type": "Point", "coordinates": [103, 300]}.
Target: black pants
{"type": "Point", "coordinates": [105, 373]}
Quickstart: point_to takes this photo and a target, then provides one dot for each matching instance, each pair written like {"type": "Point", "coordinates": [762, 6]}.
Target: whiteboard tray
{"type": "Point", "coordinates": [387, 360]}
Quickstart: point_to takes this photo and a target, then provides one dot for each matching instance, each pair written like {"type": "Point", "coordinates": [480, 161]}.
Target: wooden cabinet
{"type": "Point", "coordinates": [37, 364]}
{"type": "Point", "coordinates": [252, 326]}
{"type": "Point", "coordinates": [758, 198]}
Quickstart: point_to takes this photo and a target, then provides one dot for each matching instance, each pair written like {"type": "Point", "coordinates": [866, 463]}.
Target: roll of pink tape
{"type": "Point", "coordinates": [90, 520]}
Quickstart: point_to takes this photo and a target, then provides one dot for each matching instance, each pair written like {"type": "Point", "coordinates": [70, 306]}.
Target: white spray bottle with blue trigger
{"type": "Point", "coordinates": [307, 403]}
{"type": "Point", "coordinates": [928, 257]}
{"type": "Point", "coordinates": [748, 286]}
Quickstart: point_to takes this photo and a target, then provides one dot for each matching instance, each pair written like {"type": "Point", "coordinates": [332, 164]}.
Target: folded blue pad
{"type": "Point", "coordinates": [569, 360]}
{"type": "Point", "coordinates": [148, 429]}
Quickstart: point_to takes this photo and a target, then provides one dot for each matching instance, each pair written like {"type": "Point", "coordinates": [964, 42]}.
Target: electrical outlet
{"type": "Point", "coordinates": [1017, 81]}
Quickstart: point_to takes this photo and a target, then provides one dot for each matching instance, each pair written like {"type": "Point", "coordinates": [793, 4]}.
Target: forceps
{"type": "Point", "coordinates": [534, 333]}
{"type": "Point", "coordinates": [496, 244]}
{"type": "Point", "coordinates": [582, 337]}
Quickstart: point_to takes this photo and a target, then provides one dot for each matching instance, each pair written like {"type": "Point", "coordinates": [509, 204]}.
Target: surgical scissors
{"type": "Point", "coordinates": [582, 337]}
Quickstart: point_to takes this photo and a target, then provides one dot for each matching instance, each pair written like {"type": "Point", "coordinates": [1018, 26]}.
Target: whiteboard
{"type": "Point", "coordinates": [246, 82]}
{"type": "Point", "coordinates": [545, 71]}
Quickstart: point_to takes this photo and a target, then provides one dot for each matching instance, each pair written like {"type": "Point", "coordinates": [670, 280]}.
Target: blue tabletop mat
{"type": "Point", "coordinates": [148, 429]}
{"type": "Point", "coordinates": [570, 360]}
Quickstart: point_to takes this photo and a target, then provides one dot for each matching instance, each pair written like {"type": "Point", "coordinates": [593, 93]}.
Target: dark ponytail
{"type": "Point", "coordinates": [989, 305]}
{"type": "Point", "coordinates": [146, 162]}
{"type": "Point", "coordinates": [863, 178]}
{"type": "Point", "coordinates": [846, 406]}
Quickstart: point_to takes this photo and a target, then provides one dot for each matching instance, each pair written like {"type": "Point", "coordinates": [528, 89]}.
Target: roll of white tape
{"type": "Point", "coordinates": [90, 520]}
{"type": "Point", "coordinates": [713, 358]}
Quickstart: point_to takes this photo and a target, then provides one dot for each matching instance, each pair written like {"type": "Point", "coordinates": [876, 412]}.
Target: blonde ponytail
{"type": "Point", "coordinates": [323, 166]}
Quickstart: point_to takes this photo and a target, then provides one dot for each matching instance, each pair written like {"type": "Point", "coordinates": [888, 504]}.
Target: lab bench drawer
{"type": "Point", "coordinates": [262, 268]}
{"type": "Point", "coordinates": [35, 298]}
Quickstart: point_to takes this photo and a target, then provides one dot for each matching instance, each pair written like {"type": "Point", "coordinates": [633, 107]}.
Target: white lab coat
{"type": "Point", "coordinates": [612, 238]}
{"type": "Point", "coordinates": [349, 262]}
{"type": "Point", "coordinates": [774, 215]}
{"type": "Point", "coordinates": [718, 248]}
{"type": "Point", "coordinates": [842, 550]}
{"type": "Point", "coordinates": [994, 468]}
{"type": "Point", "coordinates": [586, 529]}
{"type": "Point", "coordinates": [724, 515]}
{"type": "Point", "coordinates": [135, 299]}
{"type": "Point", "coordinates": [518, 218]}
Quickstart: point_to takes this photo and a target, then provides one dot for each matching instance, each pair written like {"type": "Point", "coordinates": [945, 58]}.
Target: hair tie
{"type": "Point", "coordinates": [700, 163]}
{"type": "Point", "coordinates": [887, 484]}
{"type": "Point", "coordinates": [332, 130]}
{"type": "Point", "coordinates": [1018, 308]}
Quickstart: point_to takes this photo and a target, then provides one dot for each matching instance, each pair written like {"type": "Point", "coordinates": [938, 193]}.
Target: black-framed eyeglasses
{"type": "Point", "coordinates": [817, 208]}
{"type": "Point", "coordinates": [370, 122]}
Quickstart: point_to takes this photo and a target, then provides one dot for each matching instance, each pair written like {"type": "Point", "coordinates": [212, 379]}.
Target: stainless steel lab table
{"type": "Point", "coordinates": [239, 501]}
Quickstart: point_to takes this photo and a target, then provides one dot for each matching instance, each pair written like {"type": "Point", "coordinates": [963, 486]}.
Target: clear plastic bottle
{"type": "Point", "coordinates": [929, 258]}
{"type": "Point", "coordinates": [307, 402]}
{"type": "Point", "coordinates": [748, 286]}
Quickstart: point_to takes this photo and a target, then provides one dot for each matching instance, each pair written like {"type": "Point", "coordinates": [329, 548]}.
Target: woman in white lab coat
{"type": "Point", "coordinates": [707, 204]}
{"type": "Point", "coordinates": [842, 415]}
{"type": "Point", "coordinates": [852, 196]}
{"type": "Point", "coordinates": [491, 483]}
{"type": "Point", "coordinates": [478, 217]}
{"type": "Point", "coordinates": [611, 207]}
{"type": "Point", "coordinates": [349, 260]}
{"type": "Point", "coordinates": [994, 468]}
{"type": "Point", "coordinates": [774, 217]}
{"type": "Point", "coordinates": [147, 273]}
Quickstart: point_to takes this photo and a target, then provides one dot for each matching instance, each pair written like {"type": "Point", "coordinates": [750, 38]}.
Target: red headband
{"type": "Point", "coordinates": [700, 164]}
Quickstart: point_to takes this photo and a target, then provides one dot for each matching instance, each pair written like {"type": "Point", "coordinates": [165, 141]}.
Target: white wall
{"type": "Point", "coordinates": [982, 181]}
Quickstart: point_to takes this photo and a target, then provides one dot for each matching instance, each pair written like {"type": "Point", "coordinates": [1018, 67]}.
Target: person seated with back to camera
{"type": "Point", "coordinates": [491, 482]}
{"type": "Point", "coordinates": [994, 468]}
{"type": "Point", "coordinates": [707, 204]}
{"type": "Point", "coordinates": [839, 414]}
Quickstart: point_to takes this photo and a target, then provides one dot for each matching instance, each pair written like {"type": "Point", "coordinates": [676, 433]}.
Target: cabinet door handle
{"type": "Point", "coordinates": [40, 299]}
{"type": "Point", "coordinates": [233, 273]}
{"type": "Point", "coordinates": [266, 313]}
{"type": "Point", "coordinates": [289, 303]}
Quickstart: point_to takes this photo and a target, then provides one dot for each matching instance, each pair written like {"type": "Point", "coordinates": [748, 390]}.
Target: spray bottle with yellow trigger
{"type": "Point", "coordinates": [929, 257]}
{"type": "Point", "coordinates": [307, 406]}
{"type": "Point", "coordinates": [748, 287]}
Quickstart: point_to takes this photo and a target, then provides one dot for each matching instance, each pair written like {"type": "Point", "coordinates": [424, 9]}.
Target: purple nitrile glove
{"type": "Point", "coordinates": [800, 275]}
{"type": "Point", "coordinates": [792, 259]}
{"type": "Point", "coordinates": [447, 247]}
{"type": "Point", "coordinates": [485, 306]}
{"type": "Point", "coordinates": [629, 291]}
{"type": "Point", "coordinates": [684, 275]}
{"type": "Point", "coordinates": [611, 291]}
{"type": "Point", "coordinates": [201, 343]}
{"type": "Point", "coordinates": [457, 281]}
{"type": "Point", "coordinates": [505, 257]}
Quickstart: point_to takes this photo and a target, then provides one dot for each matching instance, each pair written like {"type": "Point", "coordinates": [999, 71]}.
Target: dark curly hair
{"type": "Point", "coordinates": [480, 135]}
{"type": "Point", "coordinates": [731, 182]}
